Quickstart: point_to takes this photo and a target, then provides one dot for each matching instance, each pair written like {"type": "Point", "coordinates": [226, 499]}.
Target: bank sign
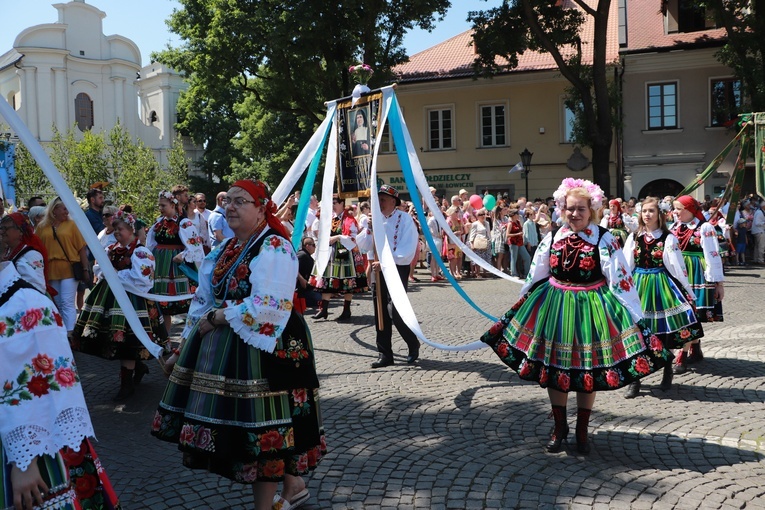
{"type": "Point", "coordinates": [439, 181]}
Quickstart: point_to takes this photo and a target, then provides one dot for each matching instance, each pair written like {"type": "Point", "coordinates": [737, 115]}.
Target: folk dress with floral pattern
{"type": "Point", "coordinates": [346, 270]}
{"type": "Point", "coordinates": [167, 238]}
{"type": "Point", "coordinates": [701, 253]}
{"type": "Point", "coordinates": [219, 406]}
{"type": "Point", "coordinates": [42, 407]}
{"type": "Point", "coordinates": [578, 324]}
{"type": "Point", "coordinates": [102, 329]}
{"type": "Point", "coordinates": [31, 266]}
{"type": "Point", "coordinates": [662, 283]}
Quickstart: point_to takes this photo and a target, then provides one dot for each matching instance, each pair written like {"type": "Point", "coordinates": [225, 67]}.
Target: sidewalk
{"type": "Point", "coordinates": [458, 430]}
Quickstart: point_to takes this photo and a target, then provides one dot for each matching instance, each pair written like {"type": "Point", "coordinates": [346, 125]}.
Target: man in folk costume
{"type": "Point", "coordinates": [402, 238]}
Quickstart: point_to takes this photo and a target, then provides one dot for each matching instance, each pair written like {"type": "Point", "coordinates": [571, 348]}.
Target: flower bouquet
{"type": "Point", "coordinates": [361, 73]}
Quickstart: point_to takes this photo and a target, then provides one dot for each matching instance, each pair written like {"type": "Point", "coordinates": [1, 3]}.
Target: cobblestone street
{"type": "Point", "coordinates": [459, 430]}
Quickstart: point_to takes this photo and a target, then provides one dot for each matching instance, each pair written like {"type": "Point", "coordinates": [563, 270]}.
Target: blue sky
{"type": "Point", "coordinates": [143, 21]}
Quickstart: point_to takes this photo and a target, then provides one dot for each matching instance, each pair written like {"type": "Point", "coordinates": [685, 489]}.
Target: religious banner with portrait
{"type": "Point", "coordinates": [357, 135]}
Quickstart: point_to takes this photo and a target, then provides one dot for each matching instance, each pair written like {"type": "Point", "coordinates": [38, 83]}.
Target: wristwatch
{"type": "Point", "coordinates": [211, 317]}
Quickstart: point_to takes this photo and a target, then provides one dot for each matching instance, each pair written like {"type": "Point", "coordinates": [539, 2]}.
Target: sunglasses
{"type": "Point", "coordinates": [481, 214]}
{"type": "Point", "coordinates": [310, 244]}
{"type": "Point", "coordinates": [108, 215]}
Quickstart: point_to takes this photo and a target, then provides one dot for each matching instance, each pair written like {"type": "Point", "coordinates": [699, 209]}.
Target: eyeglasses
{"type": "Point", "coordinates": [202, 201]}
{"type": "Point", "coordinates": [238, 202]}
{"type": "Point", "coordinates": [481, 214]}
{"type": "Point", "coordinates": [310, 244]}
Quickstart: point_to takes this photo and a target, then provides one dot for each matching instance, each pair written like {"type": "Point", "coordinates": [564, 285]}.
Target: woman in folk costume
{"type": "Point", "coordinates": [661, 279]}
{"type": "Point", "coordinates": [173, 241]}
{"type": "Point", "coordinates": [46, 459]}
{"type": "Point", "coordinates": [701, 252]}
{"type": "Point", "coordinates": [617, 222]}
{"type": "Point", "coordinates": [25, 250]}
{"type": "Point", "coordinates": [242, 401]}
{"type": "Point", "coordinates": [102, 329]}
{"type": "Point", "coordinates": [345, 272]}
{"type": "Point", "coordinates": [578, 325]}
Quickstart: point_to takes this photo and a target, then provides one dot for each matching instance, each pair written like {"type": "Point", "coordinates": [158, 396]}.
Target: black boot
{"type": "Point", "coordinates": [346, 311]}
{"type": "Point", "coordinates": [633, 390]}
{"type": "Point", "coordinates": [666, 381]}
{"type": "Point", "coordinates": [681, 363]}
{"type": "Point", "coordinates": [560, 429]}
{"type": "Point", "coordinates": [126, 384]}
{"type": "Point", "coordinates": [695, 355]}
{"type": "Point", "coordinates": [140, 370]}
{"type": "Point", "coordinates": [323, 312]}
{"type": "Point", "coordinates": [582, 423]}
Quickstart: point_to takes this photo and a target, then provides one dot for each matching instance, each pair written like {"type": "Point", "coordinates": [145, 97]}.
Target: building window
{"type": "Point", "coordinates": [493, 125]}
{"type": "Point", "coordinates": [687, 16]}
{"type": "Point", "coordinates": [662, 106]}
{"type": "Point", "coordinates": [387, 145]}
{"type": "Point", "coordinates": [725, 100]}
{"type": "Point", "coordinates": [83, 111]}
{"type": "Point", "coordinates": [568, 124]}
{"type": "Point", "coordinates": [440, 129]}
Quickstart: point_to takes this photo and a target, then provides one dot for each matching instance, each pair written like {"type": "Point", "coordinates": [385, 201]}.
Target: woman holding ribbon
{"type": "Point", "coordinates": [242, 401]}
{"type": "Point", "coordinates": [101, 329]}
{"type": "Point", "coordinates": [46, 459]}
{"type": "Point", "coordinates": [661, 280]}
{"type": "Point", "coordinates": [578, 325]}
{"type": "Point", "coordinates": [345, 272]}
{"type": "Point", "coordinates": [701, 253]}
{"type": "Point", "coordinates": [173, 241]}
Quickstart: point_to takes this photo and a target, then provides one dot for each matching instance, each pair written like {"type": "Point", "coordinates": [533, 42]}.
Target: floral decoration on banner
{"type": "Point", "coordinates": [39, 377]}
{"type": "Point", "coordinates": [28, 320]}
{"type": "Point", "coordinates": [361, 73]}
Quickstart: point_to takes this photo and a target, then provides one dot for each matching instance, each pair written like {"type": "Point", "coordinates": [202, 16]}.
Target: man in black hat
{"type": "Point", "coordinates": [402, 239]}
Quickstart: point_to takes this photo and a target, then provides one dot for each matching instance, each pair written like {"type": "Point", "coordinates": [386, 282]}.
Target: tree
{"type": "Point", "coordinates": [289, 56]}
{"type": "Point", "coordinates": [30, 179]}
{"type": "Point", "coordinates": [541, 25]}
{"type": "Point", "coordinates": [80, 162]}
{"type": "Point", "coordinates": [744, 52]}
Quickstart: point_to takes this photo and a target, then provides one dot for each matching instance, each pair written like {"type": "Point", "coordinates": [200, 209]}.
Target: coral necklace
{"type": "Point", "coordinates": [232, 255]}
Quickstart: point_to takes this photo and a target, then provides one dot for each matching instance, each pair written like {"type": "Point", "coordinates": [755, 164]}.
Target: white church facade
{"type": "Point", "coordinates": [69, 73]}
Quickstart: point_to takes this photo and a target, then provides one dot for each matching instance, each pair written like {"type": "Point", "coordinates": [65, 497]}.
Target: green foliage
{"type": "Point", "coordinates": [261, 71]}
{"type": "Point", "coordinates": [80, 162]}
{"type": "Point", "coordinates": [744, 22]}
{"type": "Point", "coordinates": [30, 179]}
{"type": "Point", "coordinates": [541, 25]}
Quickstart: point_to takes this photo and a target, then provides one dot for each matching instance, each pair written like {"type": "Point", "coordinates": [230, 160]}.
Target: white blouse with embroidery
{"type": "Point", "coordinates": [612, 264]}
{"type": "Point", "coordinates": [192, 242]}
{"type": "Point", "coordinates": [260, 318]}
{"type": "Point", "coordinates": [671, 256]}
{"type": "Point", "coordinates": [711, 250]}
{"type": "Point", "coordinates": [402, 236]}
{"type": "Point", "coordinates": [42, 407]}
{"type": "Point", "coordinates": [139, 278]}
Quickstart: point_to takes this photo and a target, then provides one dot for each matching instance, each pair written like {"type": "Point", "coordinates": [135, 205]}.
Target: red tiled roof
{"type": "Point", "coordinates": [454, 57]}
{"type": "Point", "coordinates": [645, 30]}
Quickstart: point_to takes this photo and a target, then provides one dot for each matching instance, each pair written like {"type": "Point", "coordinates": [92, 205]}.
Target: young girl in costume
{"type": "Point", "coordinates": [101, 329]}
{"type": "Point", "coordinates": [617, 222]}
{"type": "Point", "coordinates": [578, 325]}
{"type": "Point", "coordinates": [661, 280]}
{"type": "Point", "coordinates": [173, 240]}
{"type": "Point", "coordinates": [701, 252]}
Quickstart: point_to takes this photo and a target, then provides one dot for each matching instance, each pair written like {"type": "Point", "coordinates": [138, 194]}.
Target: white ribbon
{"type": "Point", "coordinates": [325, 220]}
{"type": "Point", "coordinates": [78, 216]}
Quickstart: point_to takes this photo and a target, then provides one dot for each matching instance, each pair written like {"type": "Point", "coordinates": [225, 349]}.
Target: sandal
{"type": "Point", "coordinates": [298, 500]}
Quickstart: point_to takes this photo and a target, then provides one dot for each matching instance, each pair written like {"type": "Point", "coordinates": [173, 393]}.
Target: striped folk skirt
{"type": "Point", "coordinates": [221, 411]}
{"type": "Point", "coordinates": [169, 280]}
{"type": "Point", "coordinates": [103, 331]}
{"type": "Point", "coordinates": [708, 309]}
{"type": "Point", "coordinates": [76, 481]}
{"type": "Point", "coordinates": [575, 337]}
{"type": "Point", "coordinates": [345, 273]}
{"type": "Point", "coordinates": [668, 314]}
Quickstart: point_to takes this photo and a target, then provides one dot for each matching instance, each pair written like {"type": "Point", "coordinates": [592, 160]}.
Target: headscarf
{"type": "Point", "coordinates": [260, 195]}
{"type": "Point", "coordinates": [692, 205]}
{"type": "Point", "coordinates": [29, 238]}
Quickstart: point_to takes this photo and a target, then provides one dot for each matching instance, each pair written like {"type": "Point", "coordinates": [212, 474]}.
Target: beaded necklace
{"type": "Point", "coordinates": [231, 257]}
{"type": "Point", "coordinates": [684, 234]}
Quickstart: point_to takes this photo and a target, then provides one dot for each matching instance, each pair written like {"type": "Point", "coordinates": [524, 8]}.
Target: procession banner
{"type": "Point", "coordinates": [733, 188]}
{"type": "Point", "coordinates": [77, 214]}
{"type": "Point", "coordinates": [357, 135]}
{"type": "Point", "coordinates": [8, 171]}
{"type": "Point", "coordinates": [715, 164]}
{"type": "Point", "coordinates": [759, 152]}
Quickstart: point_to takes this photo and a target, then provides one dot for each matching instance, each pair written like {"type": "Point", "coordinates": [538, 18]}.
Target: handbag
{"type": "Point", "coordinates": [78, 270]}
{"type": "Point", "coordinates": [342, 253]}
{"type": "Point", "coordinates": [480, 243]}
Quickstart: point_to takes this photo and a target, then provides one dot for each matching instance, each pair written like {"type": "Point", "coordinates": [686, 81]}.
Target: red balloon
{"type": "Point", "coordinates": [476, 202]}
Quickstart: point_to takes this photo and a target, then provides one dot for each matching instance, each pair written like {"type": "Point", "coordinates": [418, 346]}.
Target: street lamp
{"type": "Point", "coordinates": [526, 162]}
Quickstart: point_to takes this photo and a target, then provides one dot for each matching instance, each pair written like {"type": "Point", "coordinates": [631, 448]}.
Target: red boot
{"type": "Point", "coordinates": [681, 363]}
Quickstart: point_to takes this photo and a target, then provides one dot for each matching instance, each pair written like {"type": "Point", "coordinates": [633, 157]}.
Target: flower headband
{"type": "Point", "coordinates": [665, 206]}
{"type": "Point", "coordinates": [168, 195]}
{"type": "Point", "coordinates": [596, 194]}
{"type": "Point", "coordinates": [126, 218]}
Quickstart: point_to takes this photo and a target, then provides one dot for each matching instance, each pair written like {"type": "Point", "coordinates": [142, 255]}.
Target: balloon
{"type": "Point", "coordinates": [489, 202]}
{"type": "Point", "coordinates": [476, 202]}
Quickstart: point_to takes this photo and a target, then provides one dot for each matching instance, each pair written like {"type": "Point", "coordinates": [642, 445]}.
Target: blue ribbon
{"type": "Point", "coordinates": [307, 191]}
{"type": "Point", "coordinates": [397, 130]}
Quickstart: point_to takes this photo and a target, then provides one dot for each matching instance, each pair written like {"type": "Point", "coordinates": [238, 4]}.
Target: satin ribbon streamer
{"type": "Point", "coordinates": [79, 218]}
